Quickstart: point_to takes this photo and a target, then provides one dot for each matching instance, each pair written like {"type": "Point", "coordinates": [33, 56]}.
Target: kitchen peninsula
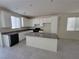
{"type": "Point", "coordinates": [46, 41]}
{"type": "Point", "coordinates": [9, 36]}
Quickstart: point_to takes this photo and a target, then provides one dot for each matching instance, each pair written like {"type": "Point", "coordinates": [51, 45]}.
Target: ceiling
{"type": "Point", "coordinates": [41, 7]}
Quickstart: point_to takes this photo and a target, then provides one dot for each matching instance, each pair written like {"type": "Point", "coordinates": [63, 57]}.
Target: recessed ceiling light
{"type": "Point", "coordinates": [51, 0]}
{"type": "Point", "coordinates": [30, 5]}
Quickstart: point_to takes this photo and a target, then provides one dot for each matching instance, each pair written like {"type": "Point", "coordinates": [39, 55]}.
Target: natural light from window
{"type": "Point", "coordinates": [16, 22]}
{"type": "Point", "coordinates": [73, 24]}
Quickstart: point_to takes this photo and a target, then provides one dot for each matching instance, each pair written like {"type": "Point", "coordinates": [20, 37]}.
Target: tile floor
{"type": "Point", "coordinates": [67, 49]}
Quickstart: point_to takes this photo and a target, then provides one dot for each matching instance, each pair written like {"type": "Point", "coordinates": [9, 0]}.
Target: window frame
{"type": "Point", "coordinates": [16, 23]}
{"type": "Point", "coordinates": [75, 24]}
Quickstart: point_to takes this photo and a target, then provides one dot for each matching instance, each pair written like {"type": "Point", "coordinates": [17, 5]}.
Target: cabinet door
{"type": "Point", "coordinates": [6, 41]}
{"type": "Point", "coordinates": [42, 43]}
{"type": "Point", "coordinates": [22, 35]}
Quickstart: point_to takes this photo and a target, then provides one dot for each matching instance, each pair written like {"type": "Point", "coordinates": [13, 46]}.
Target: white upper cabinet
{"type": "Point", "coordinates": [41, 20]}
{"type": "Point", "coordinates": [36, 22]}
{"type": "Point", "coordinates": [46, 20]}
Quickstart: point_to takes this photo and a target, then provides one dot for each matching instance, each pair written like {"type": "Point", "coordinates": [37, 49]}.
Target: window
{"type": "Point", "coordinates": [73, 24]}
{"type": "Point", "coordinates": [16, 22]}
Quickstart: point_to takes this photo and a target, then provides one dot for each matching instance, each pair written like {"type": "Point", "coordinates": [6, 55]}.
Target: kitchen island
{"type": "Point", "coordinates": [46, 41]}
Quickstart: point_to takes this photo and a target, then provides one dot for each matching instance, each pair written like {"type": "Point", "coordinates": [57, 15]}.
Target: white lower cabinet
{"type": "Point", "coordinates": [42, 43]}
{"type": "Point", "coordinates": [22, 35]}
{"type": "Point", "coordinates": [6, 41]}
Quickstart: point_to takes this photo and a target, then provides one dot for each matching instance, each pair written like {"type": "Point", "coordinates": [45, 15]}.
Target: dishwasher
{"type": "Point", "coordinates": [14, 39]}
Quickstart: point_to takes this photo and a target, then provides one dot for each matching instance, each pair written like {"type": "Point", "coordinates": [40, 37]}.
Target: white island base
{"type": "Point", "coordinates": [49, 44]}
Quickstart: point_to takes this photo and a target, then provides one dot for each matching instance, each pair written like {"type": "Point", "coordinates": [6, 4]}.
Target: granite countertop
{"type": "Point", "coordinates": [44, 35]}
{"type": "Point", "coordinates": [10, 30]}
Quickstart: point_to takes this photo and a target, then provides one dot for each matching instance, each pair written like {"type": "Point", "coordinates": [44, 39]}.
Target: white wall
{"type": "Point", "coordinates": [6, 18]}
{"type": "Point", "coordinates": [26, 22]}
{"type": "Point", "coordinates": [62, 30]}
